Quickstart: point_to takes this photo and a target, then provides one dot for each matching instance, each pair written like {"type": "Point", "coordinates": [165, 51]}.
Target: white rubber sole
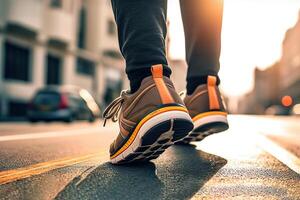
{"type": "Point", "coordinates": [210, 119]}
{"type": "Point", "coordinates": [166, 127]}
{"type": "Point", "coordinates": [207, 126]}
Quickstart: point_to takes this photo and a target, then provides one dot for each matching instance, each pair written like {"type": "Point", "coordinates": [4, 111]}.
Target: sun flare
{"type": "Point", "coordinates": [252, 35]}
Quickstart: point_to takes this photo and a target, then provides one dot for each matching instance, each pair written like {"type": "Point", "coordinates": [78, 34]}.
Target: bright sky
{"type": "Point", "coordinates": [253, 31]}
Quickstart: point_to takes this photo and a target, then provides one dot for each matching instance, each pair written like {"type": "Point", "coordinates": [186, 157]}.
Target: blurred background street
{"type": "Point", "coordinates": [60, 66]}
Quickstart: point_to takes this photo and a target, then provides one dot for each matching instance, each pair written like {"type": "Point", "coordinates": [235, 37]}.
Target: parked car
{"type": "Point", "coordinates": [277, 110]}
{"type": "Point", "coordinates": [63, 104]}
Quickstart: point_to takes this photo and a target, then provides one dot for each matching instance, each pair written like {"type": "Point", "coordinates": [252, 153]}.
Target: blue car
{"type": "Point", "coordinates": [63, 104]}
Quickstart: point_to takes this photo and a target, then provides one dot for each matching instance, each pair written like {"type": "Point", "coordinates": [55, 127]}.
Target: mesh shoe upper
{"type": "Point", "coordinates": [138, 105]}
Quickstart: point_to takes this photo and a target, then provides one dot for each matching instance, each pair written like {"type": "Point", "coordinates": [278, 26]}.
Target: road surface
{"type": "Point", "coordinates": [258, 158]}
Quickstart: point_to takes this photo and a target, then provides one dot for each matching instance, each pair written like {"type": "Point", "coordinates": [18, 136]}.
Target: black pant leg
{"type": "Point", "coordinates": [202, 20]}
{"type": "Point", "coordinates": [141, 32]}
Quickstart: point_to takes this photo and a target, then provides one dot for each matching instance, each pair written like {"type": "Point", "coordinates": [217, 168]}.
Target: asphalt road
{"type": "Point", "coordinates": [258, 158]}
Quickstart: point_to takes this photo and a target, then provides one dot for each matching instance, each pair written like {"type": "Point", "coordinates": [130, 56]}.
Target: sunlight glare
{"type": "Point", "coordinates": [253, 31]}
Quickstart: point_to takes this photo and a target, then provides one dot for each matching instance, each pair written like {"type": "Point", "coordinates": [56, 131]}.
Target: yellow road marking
{"type": "Point", "coordinates": [40, 168]}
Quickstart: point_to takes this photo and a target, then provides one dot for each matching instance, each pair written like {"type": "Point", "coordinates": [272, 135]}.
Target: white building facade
{"type": "Point", "coordinates": [57, 42]}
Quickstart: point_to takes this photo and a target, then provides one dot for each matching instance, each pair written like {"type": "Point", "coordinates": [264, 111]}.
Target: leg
{"type": "Point", "coordinates": [152, 116]}
{"type": "Point", "coordinates": [141, 31]}
{"type": "Point", "coordinates": [202, 21]}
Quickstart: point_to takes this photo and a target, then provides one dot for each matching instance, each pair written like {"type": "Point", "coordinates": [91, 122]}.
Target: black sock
{"type": "Point", "coordinates": [136, 77]}
{"type": "Point", "coordinates": [194, 82]}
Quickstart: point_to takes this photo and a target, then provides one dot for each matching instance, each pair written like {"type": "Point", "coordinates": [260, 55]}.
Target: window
{"type": "Point", "coordinates": [82, 28]}
{"type": "Point", "coordinates": [111, 29]}
{"type": "Point", "coordinates": [85, 67]}
{"type": "Point", "coordinates": [17, 108]}
{"type": "Point", "coordinates": [56, 3]}
{"type": "Point", "coordinates": [54, 71]}
{"type": "Point", "coordinates": [16, 62]}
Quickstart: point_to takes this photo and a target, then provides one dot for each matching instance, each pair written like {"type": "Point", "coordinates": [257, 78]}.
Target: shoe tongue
{"type": "Point", "coordinates": [125, 92]}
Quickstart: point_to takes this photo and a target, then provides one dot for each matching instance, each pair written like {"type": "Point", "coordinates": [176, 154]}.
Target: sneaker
{"type": "Point", "coordinates": [207, 111]}
{"type": "Point", "coordinates": [150, 120]}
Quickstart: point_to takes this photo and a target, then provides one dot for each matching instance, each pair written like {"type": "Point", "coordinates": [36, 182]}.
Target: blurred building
{"type": "Point", "coordinates": [266, 91]}
{"type": "Point", "coordinates": [55, 42]}
{"type": "Point", "coordinates": [279, 80]}
{"type": "Point", "coordinates": [290, 63]}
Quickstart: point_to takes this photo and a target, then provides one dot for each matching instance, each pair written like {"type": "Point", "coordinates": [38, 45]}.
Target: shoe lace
{"type": "Point", "coordinates": [182, 93]}
{"type": "Point", "coordinates": [113, 109]}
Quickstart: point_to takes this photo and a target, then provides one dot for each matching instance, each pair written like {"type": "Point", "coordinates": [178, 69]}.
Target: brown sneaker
{"type": "Point", "coordinates": [150, 120]}
{"type": "Point", "coordinates": [207, 111]}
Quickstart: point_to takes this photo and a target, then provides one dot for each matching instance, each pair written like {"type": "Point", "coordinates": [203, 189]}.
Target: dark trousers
{"type": "Point", "coordinates": [142, 31]}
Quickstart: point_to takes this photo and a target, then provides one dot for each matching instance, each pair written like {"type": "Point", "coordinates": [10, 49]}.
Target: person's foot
{"type": "Point", "coordinates": [207, 111]}
{"type": "Point", "coordinates": [150, 120]}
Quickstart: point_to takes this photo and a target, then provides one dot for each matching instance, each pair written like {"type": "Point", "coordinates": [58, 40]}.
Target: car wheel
{"type": "Point", "coordinates": [33, 120]}
{"type": "Point", "coordinates": [70, 119]}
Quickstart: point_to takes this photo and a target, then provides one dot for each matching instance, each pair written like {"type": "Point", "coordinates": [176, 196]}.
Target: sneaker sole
{"type": "Point", "coordinates": [154, 136]}
{"type": "Point", "coordinates": [216, 122]}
